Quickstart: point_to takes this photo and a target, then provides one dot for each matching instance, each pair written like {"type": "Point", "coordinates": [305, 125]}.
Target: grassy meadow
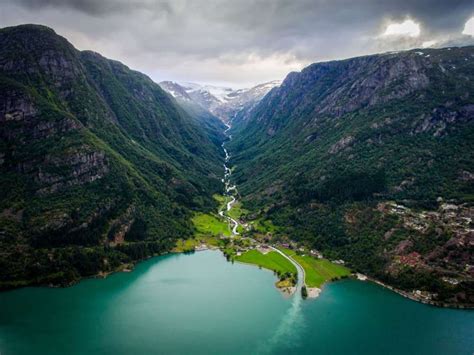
{"type": "Point", "coordinates": [208, 224]}
{"type": "Point", "coordinates": [271, 261]}
{"type": "Point", "coordinates": [318, 271]}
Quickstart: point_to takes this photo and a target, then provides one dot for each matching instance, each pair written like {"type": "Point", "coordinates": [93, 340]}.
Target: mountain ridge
{"type": "Point", "coordinates": [330, 154]}
{"type": "Point", "coordinates": [99, 166]}
{"type": "Point", "coordinates": [223, 102]}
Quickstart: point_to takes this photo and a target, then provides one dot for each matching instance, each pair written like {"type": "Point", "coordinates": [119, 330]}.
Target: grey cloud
{"type": "Point", "coordinates": [94, 7]}
{"type": "Point", "coordinates": [240, 42]}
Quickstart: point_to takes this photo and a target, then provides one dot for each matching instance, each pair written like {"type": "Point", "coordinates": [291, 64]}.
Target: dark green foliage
{"type": "Point", "coordinates": [91, 150]}
{"type": "Point", "coordinates": [319, 153]}
{"type": "Point", "coordinates": [304, 292]}
{"type": "Point", "coordinates": [137, 231]}
{"type": "Point", "coordinates": [345, 187]}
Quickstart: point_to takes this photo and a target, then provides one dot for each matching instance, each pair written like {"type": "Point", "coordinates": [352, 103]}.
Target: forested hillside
{"type": "Point", "coordinates": [371, 160]}
{"type": "Point", "coordinates": [98, 165]}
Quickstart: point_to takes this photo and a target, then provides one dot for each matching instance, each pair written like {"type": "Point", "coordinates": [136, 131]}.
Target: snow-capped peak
{"type": "Point", "coordinates": [223, 102]}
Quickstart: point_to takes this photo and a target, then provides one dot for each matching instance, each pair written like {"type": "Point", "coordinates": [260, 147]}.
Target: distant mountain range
{"type": "Point", "coordinates": [222, 102]}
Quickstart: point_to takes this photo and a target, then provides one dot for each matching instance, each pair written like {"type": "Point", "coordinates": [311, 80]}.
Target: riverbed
{"type": "Point", "coordinates": [200, 303]}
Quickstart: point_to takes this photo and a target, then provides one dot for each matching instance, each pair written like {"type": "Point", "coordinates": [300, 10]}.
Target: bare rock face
{"type": "Point", "coordinates": [16, 106]}
{"type": "Point", "coordinates": [226, 103]}
{"type": "Point", "coordinates": [466, 176]}
{"type": "Point", "coordinates": [58, 65]}
{"type": "Point", "coordinates": [22, 123]}
{"type": "Point", "coordinates": [392, 77]}
{"type": "Point", "coordinates": [79, 167]}
{"type": "Point", "coordinates": [442, 117]}
{"type": "Point", "coordinates": [341, 144]}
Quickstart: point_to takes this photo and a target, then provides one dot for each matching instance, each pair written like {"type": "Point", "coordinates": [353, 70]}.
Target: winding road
{"type": "Point", "coordinates": [301, 274]}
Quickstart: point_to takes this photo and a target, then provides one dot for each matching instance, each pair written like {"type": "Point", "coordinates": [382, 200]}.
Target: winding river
{"type": "Point", "coordinates": [230, 190]}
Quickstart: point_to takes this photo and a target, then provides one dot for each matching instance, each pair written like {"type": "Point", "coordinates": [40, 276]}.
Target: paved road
{"type": "Point", "coordinates": [299, 268]}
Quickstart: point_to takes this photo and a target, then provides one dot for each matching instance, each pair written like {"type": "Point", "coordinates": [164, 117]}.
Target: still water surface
{"type": "Point", "coordinates": [200, 303]}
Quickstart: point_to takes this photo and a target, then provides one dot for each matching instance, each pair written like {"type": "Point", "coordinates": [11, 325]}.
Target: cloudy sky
{"type": "Point", "coordinates": [244, 42]}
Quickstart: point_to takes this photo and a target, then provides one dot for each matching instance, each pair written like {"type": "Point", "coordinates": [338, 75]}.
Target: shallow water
{"type": "Point", "coordinates": [200, 303]}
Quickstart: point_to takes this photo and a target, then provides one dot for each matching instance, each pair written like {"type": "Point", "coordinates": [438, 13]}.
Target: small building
{"type": "Point", "coordinates": [316, 253]}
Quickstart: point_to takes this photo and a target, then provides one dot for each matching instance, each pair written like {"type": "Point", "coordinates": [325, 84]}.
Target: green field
{"type": "Point", "coordinates": [288, 252]}
{"type": "Point", "coordinates": [208, 228]}
{"type": "Point", "coordinates": [207, 224]}
{"type": "Point", "coordinates": [187, 245]}
{"type": "Point", "coordinates": [318, 271]}
{"type": "Point", "coordinates": [271, 261]}
{"type": "Point", "coordinates": [236, 211]}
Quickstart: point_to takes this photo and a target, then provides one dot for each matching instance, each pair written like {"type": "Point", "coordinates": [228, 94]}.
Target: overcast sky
{"type": "Point", "coordinates": [240, 43]}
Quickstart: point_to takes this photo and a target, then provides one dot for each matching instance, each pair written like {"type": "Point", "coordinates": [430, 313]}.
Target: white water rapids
{"type": "Point", "coordinates": [230, 190]}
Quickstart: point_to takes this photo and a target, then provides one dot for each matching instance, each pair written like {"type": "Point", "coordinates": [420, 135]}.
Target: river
{"type": "Point", "coordinates": [200, 303]}
{"type": "Point", "coordinates": [230, 190]}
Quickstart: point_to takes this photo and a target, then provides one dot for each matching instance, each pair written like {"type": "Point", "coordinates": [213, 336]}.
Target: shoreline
{"type": "Point", "coordinates": [419, 299]}
{"type": "Point", "coordinates": [285, 291]}
{"type": "Point", "coordinates": [129, 267]}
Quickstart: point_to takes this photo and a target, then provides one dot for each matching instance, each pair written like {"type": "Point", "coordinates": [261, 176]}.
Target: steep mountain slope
{"type": "Point", "coordinates": [176, 90]}
{"type": "Point", "coordinates": [213, 125]}
{"type": "Point", "coordinates": [98, 165]}
{"type": "Point", "coordinates": [371, 160]}
{"type": "Point", "coordinates": [225, 103]}
{"type": "Point", "coordinates": [241, 101]}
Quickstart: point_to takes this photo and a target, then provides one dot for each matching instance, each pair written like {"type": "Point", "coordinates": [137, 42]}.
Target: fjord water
{"type": "Point", "coordinates": [201, 303]}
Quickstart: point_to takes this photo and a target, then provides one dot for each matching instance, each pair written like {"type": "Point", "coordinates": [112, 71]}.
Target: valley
{"type": "Point", "coordinates": [373, 174]}
{"type": "Point", "coordinates": [236, 177]}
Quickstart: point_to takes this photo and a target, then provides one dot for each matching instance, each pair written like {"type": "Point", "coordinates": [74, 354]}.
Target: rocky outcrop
{"type": "Point", "coordinates": [77, 168]}
{"type": "Point", "coordinates": [440, 118]}
{"type": "Point", "coordinates": [341, 144]}
{"type": "Point", "coordinates": [370, 81]}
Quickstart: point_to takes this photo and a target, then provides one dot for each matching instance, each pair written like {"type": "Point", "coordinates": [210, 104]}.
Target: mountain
{"type": "Point", "coordinates": [239, 102]}
{"type": "Point", "coordinates": [371, 160]}
{"type": "Point", "coordinates": [213, 125]}
{"type": "Point", "coordinates": [177, 91]}
{"type": "Point", "coordinates": [222, 102]}
{"type": "Point", "coordinates": [98, 165]}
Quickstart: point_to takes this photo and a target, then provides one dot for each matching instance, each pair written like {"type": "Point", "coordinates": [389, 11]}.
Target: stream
{"type": "Point", "coordinates": [230, 190]}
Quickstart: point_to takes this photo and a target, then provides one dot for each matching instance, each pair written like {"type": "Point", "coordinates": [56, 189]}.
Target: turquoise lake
{"type": "Point", "coordinates": [200, 303]}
